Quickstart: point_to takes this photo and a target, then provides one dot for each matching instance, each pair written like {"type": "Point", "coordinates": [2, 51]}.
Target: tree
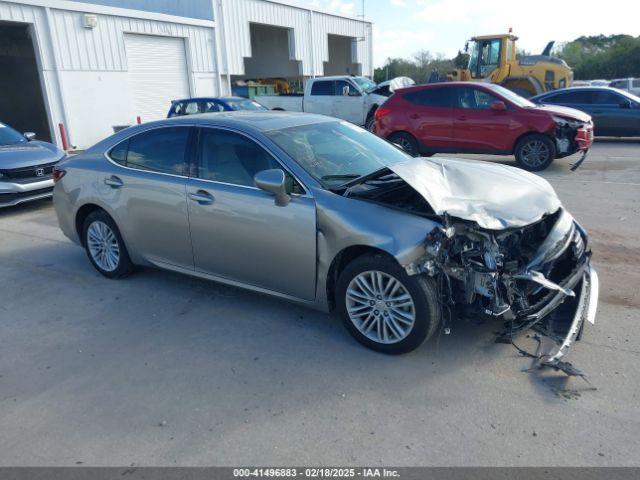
{"type": "Point", "coordinates": [419, 67]}
{"type": "Point", "coordinates": [601, 56]}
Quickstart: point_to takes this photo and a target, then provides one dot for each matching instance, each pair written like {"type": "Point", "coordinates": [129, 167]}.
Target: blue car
{"type": "Point", "coordinates": [190, 106]}
{"type": "Point", "coordinates": [615, 113]}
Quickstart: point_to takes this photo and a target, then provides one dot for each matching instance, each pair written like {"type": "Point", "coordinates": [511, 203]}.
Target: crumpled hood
{"type": "Point", "coordinates": [27, 154]}
{"type": "Point", "coordinates": [566, 112]}
{"type": "Point", "coordinates": [494, 196]}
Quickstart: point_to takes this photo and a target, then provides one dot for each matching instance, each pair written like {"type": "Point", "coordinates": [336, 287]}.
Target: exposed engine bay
{"type": "Point", "coordinates": [534, 275]}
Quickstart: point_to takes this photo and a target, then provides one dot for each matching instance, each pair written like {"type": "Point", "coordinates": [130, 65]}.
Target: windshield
{"type": "Point", "coordinates": [245, 104]}
{"type": "Point", "coordinates": [8, 136]}
{"type": "Point", "coordinates": [512, 96]}
{"type": "Point", "coordinates": [364, 83]}
{"type": "Point", "coordinates": [335, 153]}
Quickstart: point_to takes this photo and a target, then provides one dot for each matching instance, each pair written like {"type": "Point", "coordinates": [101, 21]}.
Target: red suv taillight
{"type": "Point", "coordinates": [57, 174]}
{"type": "Point", "coordinates": [381, 112]}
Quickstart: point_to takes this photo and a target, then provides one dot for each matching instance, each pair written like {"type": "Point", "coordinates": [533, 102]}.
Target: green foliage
{"type": "Point", "coordinates": [600, 56]}
{"type": "Point", "coordinates": [419, 67]}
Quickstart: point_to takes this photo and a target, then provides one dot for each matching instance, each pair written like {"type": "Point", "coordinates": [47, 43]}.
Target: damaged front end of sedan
{"type": "Point", "coordinates": [504, 249]}
{"type": "Point", "coordinates": [534, 277]}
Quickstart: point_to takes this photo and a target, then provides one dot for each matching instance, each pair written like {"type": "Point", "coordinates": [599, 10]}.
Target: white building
{"type": "Point", "coordinates": [92, 65]}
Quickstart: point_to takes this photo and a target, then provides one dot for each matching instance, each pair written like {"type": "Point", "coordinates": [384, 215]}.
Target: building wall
{"type": "Point", "coordinates": [84, 70]}
{"type": "Point", "coordinates": [311, 29]}
{"type": "Point", "coordinates": [202, 9]}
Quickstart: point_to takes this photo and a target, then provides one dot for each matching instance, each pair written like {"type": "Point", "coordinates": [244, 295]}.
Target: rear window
{"type": "Point", "coordinates": [433, 97]}
{"type": "Point", "coordinates": [322, 88]}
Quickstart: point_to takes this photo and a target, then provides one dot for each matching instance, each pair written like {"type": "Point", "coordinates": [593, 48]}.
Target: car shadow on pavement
{"type": "Point", "coordinates": [25, 208]}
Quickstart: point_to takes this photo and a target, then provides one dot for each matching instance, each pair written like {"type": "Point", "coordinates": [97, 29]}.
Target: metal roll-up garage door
{"type": "Point", "coordinates": [157, 73]}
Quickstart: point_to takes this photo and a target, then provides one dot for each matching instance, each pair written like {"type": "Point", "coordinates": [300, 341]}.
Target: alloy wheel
{"type": "Point", "coordinates": [380, 307]}
{"type": "Point", "coordinates": [103, 246]}
{"type": "Point", "coordinates": [535, 153]}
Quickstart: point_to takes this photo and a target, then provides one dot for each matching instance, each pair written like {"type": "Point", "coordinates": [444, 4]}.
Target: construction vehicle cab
{"type": "Point", "coordinates": [492, 58]}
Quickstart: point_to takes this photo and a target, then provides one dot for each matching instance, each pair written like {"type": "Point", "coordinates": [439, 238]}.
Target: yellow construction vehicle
{"type": "Point", "coordinates": [492, 58]}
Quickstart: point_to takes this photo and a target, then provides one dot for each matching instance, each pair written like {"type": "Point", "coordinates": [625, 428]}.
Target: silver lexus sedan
{"type": "Point", "coordinates": [324, 213]}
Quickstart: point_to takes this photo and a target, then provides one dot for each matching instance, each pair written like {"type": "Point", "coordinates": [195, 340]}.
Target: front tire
{"type": "Point", "coordinates": [384, 308]}
{"type": "Point", "coordinates": [535, 152]}
{"type": "Point", "coordinates": [104, 245]}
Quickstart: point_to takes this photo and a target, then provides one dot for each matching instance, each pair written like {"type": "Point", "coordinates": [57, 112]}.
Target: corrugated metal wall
{"type": "Point", "coordinates": [102, 48]}
{"type": "Point", "coordinates": [310, 33]}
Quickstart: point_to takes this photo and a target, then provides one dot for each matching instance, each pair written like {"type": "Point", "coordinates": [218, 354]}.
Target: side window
{"type": "Point", "coordinates": [158, 150]}
{"type": "Point", "coordinates": [569, 97]}
{"type": "Point", "coordinates": [443, 97]}
{"type": "Point", "coordinates": [119, 153]}
{"type": "Point", "coordinates": [601, 97]}
{"type": "Point", "coordinates": [322, 88]}
{"type": "Point", "coordinates": [475, 98]}
{"type": "Point", "coordinates": [231, 158]}
{"type": "Point", "coordinates": [191, 108]}
{"type": "Point", "coordinates": [213, 107]}
{"type": "Point", "coordinates": [490, 56]}
{"type": "Point", "coordinates": [340, 88]}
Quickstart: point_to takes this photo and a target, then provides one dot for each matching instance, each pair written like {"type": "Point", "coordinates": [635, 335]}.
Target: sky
{"type": "Point", "coordinates": [403, 27]}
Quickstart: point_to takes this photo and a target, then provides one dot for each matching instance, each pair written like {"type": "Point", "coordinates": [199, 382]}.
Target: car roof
{"type": "Point", "coordinates": [203, 99]}
{"type": "Point", "coordinates": [579, 89]}
{"type": "Point", "coordinates": [263, 121]}
{"type": "Point", "coordinates": [488, 86]}
{"type": "Point", "coordinates": [337, 77]}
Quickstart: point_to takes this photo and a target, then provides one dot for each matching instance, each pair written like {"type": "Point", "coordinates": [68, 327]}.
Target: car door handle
{"type": "Point", "coordinates": [414, 116]}
{"type": "Point", "coordinates": [462, 118]}
{"type": "Point", "coordinates": [113, 182]}
{"type": "Point", "coordinates": [202, 197]}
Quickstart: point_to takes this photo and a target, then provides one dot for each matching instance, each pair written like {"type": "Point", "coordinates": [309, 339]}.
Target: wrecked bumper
{"type": "Point", "coordinates": [584, 309]}
{"type": "Point", "coordinates": [584, 137]}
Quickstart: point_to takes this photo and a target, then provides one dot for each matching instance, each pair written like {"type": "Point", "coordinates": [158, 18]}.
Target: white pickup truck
{"type": "Point", "coordinates": [354, 99]}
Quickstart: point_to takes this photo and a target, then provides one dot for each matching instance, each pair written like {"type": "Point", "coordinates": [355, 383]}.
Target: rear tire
{"type": "Point", "coordinates": [385, 309]}
{"type": "Point", "coordinates": [104, 246]}
{"type": "Point", "coordinates": [535, 152]}
{"type": "Point", "coordinates": [406, 141]}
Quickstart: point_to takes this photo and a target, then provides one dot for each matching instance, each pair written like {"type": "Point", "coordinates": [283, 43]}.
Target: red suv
{"type": "Point", "coordinates": [482, 118]}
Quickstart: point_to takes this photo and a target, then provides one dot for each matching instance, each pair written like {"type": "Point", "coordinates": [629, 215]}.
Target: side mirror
{"type": "Point", "coordinates": [345, 91]}
{"type": "Point", "coordinates": [273, 181]}
{"type": "Point", "coordinates": [29, 135]}
{"type": "Point", "coordinates": [623, 104]}
{"type": "Point", "coordinates": [499, 106]}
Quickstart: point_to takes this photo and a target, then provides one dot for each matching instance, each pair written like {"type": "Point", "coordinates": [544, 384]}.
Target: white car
{"type": "Point", "coordinates": [631, 85]}
{"type": "Point", "coordinates": [354, 99]}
